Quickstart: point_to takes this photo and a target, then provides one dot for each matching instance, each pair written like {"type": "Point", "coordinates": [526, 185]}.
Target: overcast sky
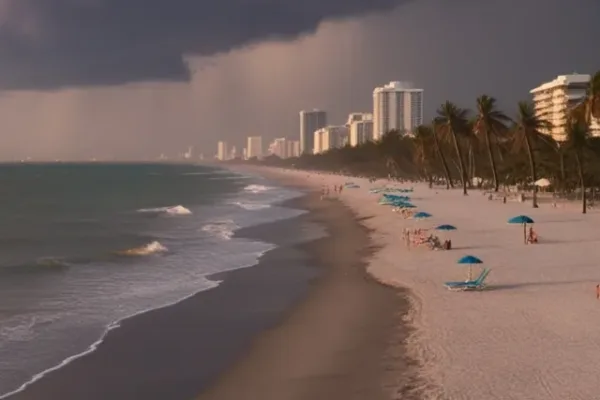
{"type": "Point", "coordinates": [134, 78]}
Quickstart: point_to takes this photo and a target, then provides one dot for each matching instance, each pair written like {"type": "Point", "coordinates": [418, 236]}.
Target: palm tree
{"type": "Point", "coordinates": [529, 128]}
{"type": "Point", "coordinates": [440, 153]}
{"type": "Point", "coordinates": [578, 135]}
{"type": "Point", "coordinates": [422, 151]}
{"type": "Point", "coordinates": [490, 122]}
{"type": "Point", "coordinates": [453, 121]}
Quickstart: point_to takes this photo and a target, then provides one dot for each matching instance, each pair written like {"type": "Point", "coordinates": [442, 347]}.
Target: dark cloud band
{"type": "Point", "coordinates": [60, 43]}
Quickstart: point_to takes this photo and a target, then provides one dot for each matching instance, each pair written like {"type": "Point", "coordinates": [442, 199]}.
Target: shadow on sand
{"type": "Point", "coordinates": [533, 284]}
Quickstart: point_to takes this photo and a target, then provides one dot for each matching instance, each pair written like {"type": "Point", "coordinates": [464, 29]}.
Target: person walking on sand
{"type": "Point", "coordinates": [597, 292]}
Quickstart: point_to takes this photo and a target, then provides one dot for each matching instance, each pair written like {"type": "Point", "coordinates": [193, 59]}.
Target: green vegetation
{"type": "Point", "coordinates": [460, 145]}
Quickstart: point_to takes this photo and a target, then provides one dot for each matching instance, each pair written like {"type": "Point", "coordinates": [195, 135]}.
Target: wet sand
{"type": "Point", "coordinates": [345, 341]}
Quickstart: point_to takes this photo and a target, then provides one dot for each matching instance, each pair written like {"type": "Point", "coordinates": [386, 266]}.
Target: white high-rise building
{"type": "Point", "coordinates": [310, 121]}
{"type": "Point", "coordinates": [279, 147]}
{"type": "Point", "coordinates": [297, 148]}
{"type": "Point", "coordinates": [329, 138]}
{"type": "Point", "coordinates": [552, 101]}
{"type": "Point", "coordinates": [254, 147]}
{"type": "Point", "coordinates": [361, 131]}
{"type": "Point", "coordinates": [397, 105]}
{"type": "Point", "coordinates": [222, 153]}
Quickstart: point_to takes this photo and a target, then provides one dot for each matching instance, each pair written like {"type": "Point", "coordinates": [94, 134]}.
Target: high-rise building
{"type": "Point", "coordinates": [361, 131]}
{"type": "Point", "coordinates": [254, 147]}
{"type": "Point", "coordinates": [222, 151]}
{"type": "Point", "coordinates": [397, 105]}
{"type": "Point", "coordinates": [310, 121]}
{"type": "Point", "coordinates": [297, 148]}
{"type": "Point", "coordinates": [329, 138]}
{"type": "Point", "coordinates": [279, 147]}
{"type": "Point", "coordinates": [233, 153]}
{"type": "Point", "coordinates": [552, 101]}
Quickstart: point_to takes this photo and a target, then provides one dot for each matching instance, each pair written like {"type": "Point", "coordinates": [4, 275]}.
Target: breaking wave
{"type": "Point", "coordinates": [171, 210]}
{"type": "Point", "coordinates": [150, 248]}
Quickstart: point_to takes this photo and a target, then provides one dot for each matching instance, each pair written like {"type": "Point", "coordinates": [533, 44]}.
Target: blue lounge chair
{"type": "Point", "coordinates": [476, 284]}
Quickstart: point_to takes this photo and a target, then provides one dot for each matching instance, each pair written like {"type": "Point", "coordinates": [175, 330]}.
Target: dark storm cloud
{"type": "Point", "coordinates": [48, 44]}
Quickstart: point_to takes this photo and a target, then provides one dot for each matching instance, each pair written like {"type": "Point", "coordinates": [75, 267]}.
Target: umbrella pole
{"type": "Point", "coordinates": [470, 272]}
{"type": "Point", "coordinates": [525, 233]}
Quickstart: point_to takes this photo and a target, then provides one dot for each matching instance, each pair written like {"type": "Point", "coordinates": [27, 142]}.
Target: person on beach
{"type": "Point", "coordinates": [532, 238]}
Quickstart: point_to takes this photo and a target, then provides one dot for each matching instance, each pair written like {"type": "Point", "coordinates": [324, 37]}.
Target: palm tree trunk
{"type": "Point", "coordinates": [471, 166]}
{"type": "Point", "coordinates": [449, 183]}
{"type": "Point", "coordinates": [461, 163]}
{"type": "Point", "coordinates": [581, 182]}
{"type": "Point", "coordinates": [563, 177]}
{"type": "Point", "coordinates": [533, 170]}
{"type": "Point", "coordinates": [488, 144]}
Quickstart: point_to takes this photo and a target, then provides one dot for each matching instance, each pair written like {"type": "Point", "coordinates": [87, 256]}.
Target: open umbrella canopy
{"type": "Point", "coordinates": [520, 219]}
{"type": "Point", "coordinates": [542, 183]}
{"type": "Point", "coordinates": [405, 205]}
{"type": "Point", "coordinates": [421, 215]}
{"type": "Point", "coordinates": [445, 227]}
{"type": "Point", "coordinates": [469, 260]}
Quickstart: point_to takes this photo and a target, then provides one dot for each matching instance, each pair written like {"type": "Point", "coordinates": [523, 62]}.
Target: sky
{"type": "Point", "coordinates": [130, 79]}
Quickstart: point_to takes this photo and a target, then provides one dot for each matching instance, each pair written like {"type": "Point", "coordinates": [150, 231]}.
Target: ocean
{"type": "Point", "coordinates": [84, 246]}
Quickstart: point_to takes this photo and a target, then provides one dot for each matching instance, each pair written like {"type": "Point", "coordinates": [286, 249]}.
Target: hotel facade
{"type": "Point", "coordinates": [397, 105]}
{"type": "Point", "coordinates": [553, 100]}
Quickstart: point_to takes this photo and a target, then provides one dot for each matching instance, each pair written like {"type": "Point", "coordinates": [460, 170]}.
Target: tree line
{"type": "Point", "coordinates": [462, 144]}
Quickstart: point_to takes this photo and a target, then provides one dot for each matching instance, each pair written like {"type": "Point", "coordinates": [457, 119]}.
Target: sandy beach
{"type": "Point", "coordinates": [532, 334]}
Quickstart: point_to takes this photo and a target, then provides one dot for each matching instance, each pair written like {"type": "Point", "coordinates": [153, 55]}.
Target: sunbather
{"type": "Point", "coordinates": [532, 238]}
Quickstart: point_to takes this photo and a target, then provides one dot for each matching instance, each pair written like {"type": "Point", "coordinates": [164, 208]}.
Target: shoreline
{"type": "Point", "coordinates": [114, 347]}
{"type": "Point", "coordinates": [130, 360]}
{"type": "Point", "coordinates": [345, 340]}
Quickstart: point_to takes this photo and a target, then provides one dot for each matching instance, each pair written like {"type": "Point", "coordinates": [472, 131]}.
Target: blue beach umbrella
{"type": "Point", "coordinates": [469, 260]}
{"type": "Point", "coordinates": [421, 215]}
{"type": "Point", "coordinates": [520, 219]}
{"type": "Point", "coordinates": [445, 227]}
{"type": "Point", "coordinates": [524, 220]}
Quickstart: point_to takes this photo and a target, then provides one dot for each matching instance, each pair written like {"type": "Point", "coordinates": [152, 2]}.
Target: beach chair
{"type": "Point", "coordinates": [476, 284]}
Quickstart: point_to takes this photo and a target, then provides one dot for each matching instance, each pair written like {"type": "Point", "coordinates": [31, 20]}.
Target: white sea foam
{"type": "Point", "coordinates": [251, 206]}
{"type": "Point", "coordinates": [116, 324]}
{"type": "Point", "coordinates": [223, 229]}
{"type": "Point", "coordinates": [230, 177]}
{"type": "Point", "coordinates": [257, 188]}
{"type": "Point", "coordinates": [171, 210]}
{"type": "Point", "coordinates": [97, 343]}
{"type": "Point", "coordinates": [150, 248]}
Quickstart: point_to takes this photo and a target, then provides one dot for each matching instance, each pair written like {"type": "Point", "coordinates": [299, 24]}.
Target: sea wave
{"type": "Point", "coordinates": [148, 249]}
{"type": "Point", "coordinates": [56, 262]}
{"type": "Point", "coordinates": [94, 346]}
{"type": "Point", "coordinates": [214, 172]}
{"type": "Point", "coordinates": [251, 206]}
{"type": "Point", "coordinates": [223, 229]}
{"type": "Point", "coordinates": [171, 210]}
{"type": "Point", "coordinates": [257, 188]}
{"type": "Point", "coordinates": [229, 177]}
